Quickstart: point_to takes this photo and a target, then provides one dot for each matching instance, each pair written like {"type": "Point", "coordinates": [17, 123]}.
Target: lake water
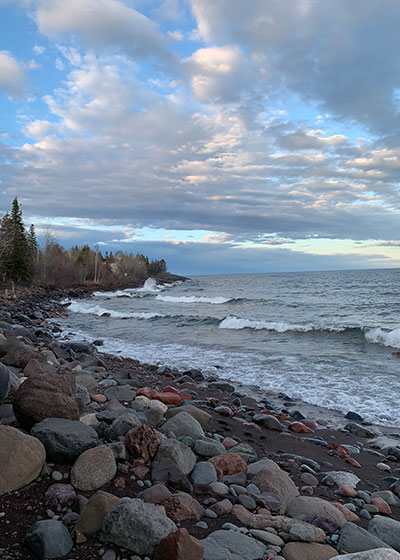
{"type": "Point", "coordinates": [324, 337]}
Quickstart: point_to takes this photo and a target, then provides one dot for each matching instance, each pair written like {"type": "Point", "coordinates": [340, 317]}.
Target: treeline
{"type": "Point", "coordinates": [23, 261]}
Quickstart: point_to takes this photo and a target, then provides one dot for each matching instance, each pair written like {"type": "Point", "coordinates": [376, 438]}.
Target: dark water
{"type": "Point", "coordinates": [324, 337]}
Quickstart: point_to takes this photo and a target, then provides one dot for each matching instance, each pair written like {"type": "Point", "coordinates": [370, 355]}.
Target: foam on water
{"type": "Point", "coordinates": [149, 287]}
{"type": "Point", "coordinates": [192, 299]}
{"type": "Point", "coordinates": [79, 306]}
{"type": "Point", "coordinates": [387, 338]}
{"type": "Point", "coordinates": [236, 323]}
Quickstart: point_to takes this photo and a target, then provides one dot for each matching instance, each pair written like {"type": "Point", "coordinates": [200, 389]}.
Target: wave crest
{"type": "Point", "coordinates": [386, 338]}
{"type": "Point", "coordinates": [192, 299]}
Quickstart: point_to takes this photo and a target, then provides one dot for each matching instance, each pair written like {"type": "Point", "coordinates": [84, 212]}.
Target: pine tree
{"type": "Point", "coordinates": [15, 261]}
{"type": "Point", "coordinates": [32, 244]}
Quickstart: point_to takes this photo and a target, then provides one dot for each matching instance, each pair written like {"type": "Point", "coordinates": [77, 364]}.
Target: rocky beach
{"type": "Point", "coordinates": [104, 457]}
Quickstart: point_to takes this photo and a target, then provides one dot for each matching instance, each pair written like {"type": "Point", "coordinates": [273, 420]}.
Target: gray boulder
{"type": "Point", "coordinates": [183, 424]}
{"type": "Point", "coordinates": [356, 539]}
{"type": "Point", "coordinates": [122, 425]}
{"type": "Point", "coordinates": [49, 539]}
{"type": "Point", "coordinates": [342, 478]}
{"type": "Point", "coordinates": [263, 465]}
{"type": "Point", "coordinates": [4, 382]}
{"type": "Point", "coordinates": [179, 453]}
{"type": "Point", "coordinates": [232, 545]}
{"type": "Point", "coordinates": [246, 452]}
{"type": "Point", "coordinates": [208, 447]}
{"type": "Point", "coordinates": [310, 507]}
{"type": "Point", "coordinates": [64, 440]}
{"type": "Point", "coordinates": [121, 393]}
{"type": "Point", "coordinates": [203, 417]}
{"type": "Point", "coordinates": [93, 468]}
{"type": "Point", "coordinates": [137, 526]}
{"type": "Point", "coordinates": [204, 473]}
{"type": "Point", "coordinates": [386, 529]}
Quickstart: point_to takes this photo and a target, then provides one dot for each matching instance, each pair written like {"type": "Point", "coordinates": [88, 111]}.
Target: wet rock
{"type": "Point", "coordinates": [21, 458]}
{"type": "Point", "coordinates": [142, 441]}
{"type": "Point", "coordinates": [92, 516]}
{"type": "Point", "coordinates": [354, 417]}
{"type": "Point", "coordinates": [310, 507]}
{"type": "Point", "coordinates": [179, 546]}
{"type": "Point", "coordinates": [222, 386]}
{"type": "Point", "coordinates": [356, 539]}
{"type": "Point", "coordinates": [45, 396]}
{"type": "Point", "coordinates": [64, 440]}
{"type": "Point", "coordinates": [183, 424]}
{"type": "Point", "coordinates": [179, 453]}
{"type": "Point", "coordinates": [278, 482]}
{"type": "Point", "coordinates": [388, 530]}
{"type": "Point", "coordinates": [49, 539]}
{"type": "Point", "coordinates": [181, 506]}
{"type": "Point", "coordinates": [94, 468]}
{"type": "Point", "coordinates": [232, 545]}
{"type": "Point", "coordinates": [137, 526]}
{"type": "Point", "coordinates": [308, 551]}
{"type": "Point", "coordinates": [228, 463]}
{"type": "Point", "coordinates": [203, 417]}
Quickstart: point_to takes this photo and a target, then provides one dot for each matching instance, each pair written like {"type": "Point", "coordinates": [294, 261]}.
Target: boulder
{"type": "Point", "coordinates": [182, 506]}
{"type": "Point", "coordinates": [123, 393]}
{"type": "Point", "coordinates": [165, 471]}
{"type": "Point", "coordinates": [179, 453]}
{"type": "Point", "coordinates": [156, 494]}
{"type": "Point", "coordinates": [60, 495]}
{"type": "Point", "coordinates": [204, 473]}
{"type": "Point", "coordinates": [263, 465]}
{"type": "Point", "coordinates": [311, 508]}
{"type": "Point", "coordinates": [64, 440]}
{"type": "Point", "coordinates": [36, 366]}
{"type": "Point", "coordinates": [183, 424]}
{"type": "Point", "coordinates": [356, 539]}
{"type": "Point", "coordinates": [18, 354]}
{"type": "Point", "coordinates": [203, 417]}
{"type": "Point", "coordinates": [245, 451]}
{"type": "Point", "coordinates": [377, 554]}
{"type": "Point", "coordinates": [94, 468]}
{"type": "Point", "coordinates": [232, 545]}
{"type": "Point", "coordinates": [49, 539]}
{"type": "Point", "coordinates": [308, 551]}
{"type": "Point", "coordinates": [386, 529]}
{"type": "Point", "coordinates": [21, 458]}
{"type": "Point", "coordinates": [122, 425]}
{"type": "Point", "coordinates": [4, 382]}
{"type": "Point", "coordinates": [142, 441]}
{"type": "Point", "coordinates": [43, 396]}
{"type": "Point", "coordinates": [137, 526]}
{"type": "Point", "coordinates": [208, 447]}
{"type": "Point", "coordinates": [278, 482]}
{"type": "Point", "coordinates": [228, 463]}
{"type": "Point", "coordinates": [179, 546]}
{"type": "Point", "coordinates": [98, 506]}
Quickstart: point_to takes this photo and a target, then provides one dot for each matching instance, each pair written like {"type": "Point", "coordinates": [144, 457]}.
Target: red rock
{"type": "Point", "coordinates": [169, 398]}
{"type": "Point", "coordinates": [99, 398]}
{"type": "Point", "coordinates": [348, 515]}
{"type": "Point", "coordinates": [340, 451]}
{"type": "Point", "coordinates": [228, 442]}
{"type": "Point", "coordinates": [353, 462]}
{"type": "Point", "coordinates": [310, 423]}
{"type": "Point", "coordinates": [281, 416]}
{"type": "Point", "coordinates": [229, 463]}
{"type": "Point", "coordinates": [120, 482]}
{"type": "Point", "coordinates": [179, 546]}
{"type": "Point", "coordinates": [170, 389]}
{"type": "Point", "coordinates": [147, 392]}
{"type": "Point", "coordinates": [185, 396]}
{"type": "Point", "coordinates": [264, 511]}
{"type": "Point", "coordinates": [348, 491]}
{"type": "Point", "coordinates": [300, 428]}
{"type": "Point", "coordinates": [382, 505]}
{"type": "Point", "coordinates": [252, 425]}
{"type": "Point", "coordinates": [182, 506]}
{"type": "Point", "coordinates": [142, 441]}
{"type": "Point", "coordinates": [171, 375]}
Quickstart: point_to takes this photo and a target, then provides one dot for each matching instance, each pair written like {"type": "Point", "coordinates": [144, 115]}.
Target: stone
{"type": "Point", "coordinates": [94, 468]}
{"type": "Point", "coordinates": [222, 386]}
{"type": "Point", "coordinates": [92, 516]}
{"type": "Point", "coordinates": [21, 458]}
{"type": "Point", "coordinates": [82, 397]}
{"type": "Point", "coordinates": [310, 507]}
{"type": "Point", "coordinates": [305, 532]}
{"type": "Point", "coordinates": [183, 424]}
{"type": "Point", "coordinates": [122, 425]}
{"type": "Point", "coordinates": [18, 354]}
{"type": "Point", "coordinates": [154, 416]}
{"type": "Point", "coordinates": [219, 488]}
{"type": "Point", "coordinates": [179, 453]}
{"type": "Point", "coordinates": [203, 417]}
{"type": "Point", "coordinates": [49, 539]}
{"type": "Point", "coordinates": [123, 393]}
{"type": "Point", "coordinates": [348, 491]}
{"type": "Point", "coordinates": [382, 505]}
{"type": "Point", "coordinates": [388, 530]}
{"type": "Point", "coordinates": [142, 441]}
{"type": "Point", "coordinates": [45, 396]}
{"type": "Point", "coordinates": [224, 507]}
{"type": "Point", "coordinates": [308, 551]}
{"type": "Point", "coordinates": [232, 545]}
{"type": "Point", "coordinates": [359, 431]}
{"type": "Point", "coordinates": [59, 496]}
{"type": "Point", "coordinates": [342, 478]}
{"type": "Point", "coordinates": [137, 526]}
{"type": "Point", "coordinates": [165, 471]}
{"type": "Point", "coordinates": [267, 537]}
{"type": "Point", "coordinates": [64, 440]}
{"type": "Point", "coordinates": [347, 514]}
{"type": "Point", "coordinates": [356, 539]}
{"type": "Point", "coordinates": [181, 506]}
{"type": "Point", "coordinates": [300, 428]}
{"type": "Point", "coordinates": [169, 398]}
{"type": "Point", "coordinates": [262, 465]}
{"type": "Point", "coordinates": [4, 382]}
{"type": "Point", "coordinates": [245, 451]}
{"type": "Point", "coordinates": [87, 381]}
{"type": "Point", "coordinates": [377, 554]}
{"type": "Point", "coordinates": [247, 501]}
{"type": "Point", "coordinates": [208, 447]}
{"type": "Point", "coordinates": [278, 482]}
{"type": "Point", "coordinates": [388, 496]}
{"type": "Point", "coordinates": [271, 501]}
{"type": "Point", "coordinates": [156, 494]}
{"type": "Point", "coordinates": [179, 546]}
{"type": "Point", "coordinates": [204, 473]}
{"type": "Point", "coordinates": [228, 463]}
{"type": "Point", "coordinates": [268, 422]}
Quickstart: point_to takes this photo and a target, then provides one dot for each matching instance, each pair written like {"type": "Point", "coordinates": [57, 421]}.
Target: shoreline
{"type": "Point", "coordinates": [260, 422]}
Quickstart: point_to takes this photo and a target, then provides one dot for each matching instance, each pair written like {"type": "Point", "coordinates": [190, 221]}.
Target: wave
{"type": "Point", "coordinates": [386, 338]}
{"type": "Point", "coordinates": [193, 299]}
{"type": "Point", "coordinates": [88, 309]}
{"type": "Point", "coordinates": [149, 287]}
{"type": "Point", "coordinates": [236, 323]}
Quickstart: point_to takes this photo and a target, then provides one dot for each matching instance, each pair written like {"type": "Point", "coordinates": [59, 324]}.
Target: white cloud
{"type": "Point", "coordinates": [13, 77]}
{"type": "Point", "coordinates": [176, 35]}
{"type": "Point", "coordinates": [38, 49]}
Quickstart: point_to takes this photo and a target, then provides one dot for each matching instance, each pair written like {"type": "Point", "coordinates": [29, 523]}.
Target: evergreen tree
{"type": "Point", "coordinates": [15, 261]}
{"type": "Point", "coordinates": [32, 244]}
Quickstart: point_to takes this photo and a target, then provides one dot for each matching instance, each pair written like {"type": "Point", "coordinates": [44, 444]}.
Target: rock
{"type": "Point", "coordinates": [82, 397]}
{"type": "Point", "coordinates": [305, 532]}
{"type": "Point", "coordinates": [348, 491]}
{"type": "Point", "coordinates": [4, 382]}
{"type": "Point", "coordinates": [123, 393]}
{"type": "Point", "coordinates": [156, 494]}
{"type": "Point", "coordinates": [208, 447]}
{"type": "Point", "coordinates": [49, 539]}
{"type": "Point", "coordinates": [99, 398]}
{"type": "Point", "coordinates": [179, 453]}
{"type": "Point", "coordinates": [154, 416]}
{"type": "Point", "coordinates": [224, 507]}
{"type": "Point", "coordinates": [21, 458]}
{"type": "Point", "coordinates": [377, 554]}
{"type": "Point", "coordinates": [347, 514]}
{"type": "Point", "coordinates": [203, 417]}
{"type": "Point", "coordinates": [388, 496]}
{"type": "Point", "coordinates": [270, 500]}
{"type": "Point", "coordinates": [92, 516]}
{"type": "Point", "coordinates": [137, 526]}
{"type": "Point", "coordinates": [308, 551]}
{"type": "Point", "coordinates": [18, 354]}
{"type": "Point", "coordinates": [64, 440]}
{"type": "Point", "coordinates": [342, 478]}
{"type": "Point", "coordinates": [122, 425]}
{"type": "Point", "coordinates": [382, 505]}
{"type": "Point", "coordinates": [204, 473]}
{"type": "Point", "coordinates": [45, 396]}
{"type": "Point", "coordinates": [267, 537]}
{"type": "Point", "coordinates": [181, 506]}
{"type": "Point", "coordinates": [222, 386]}
{"type": "Point", "coordinates": [247, 501]}
{"type": "Point", "coordinates": [263, 465]}
{"type": "Point", "coordinates": [300, 428]}
{"type": "Point", "coordinates": [87, 381]}
{"type": "Point", "coordinates": [59, 496]}
{"type": "Point", "coordinates": [183, 424]}
{"type": "Point", "coordinates": [232, 545]}
{"type": "Point", "coordinates": [245, 451]}
{"type": "Point", "coordinates": [224, 411]}
{"type": "Point", "coordinates": [310, 507]}
{"type": "Point", "coordinates": [164, 470]}
{"type": "Point", "coordinates": [359, 431]}
{"type": "Point", "coordinates": [268, 422]}
{"type": "Point", "coordinates": [278, 482]}
{"type": "Point", "coordinates": [142, 441]}
{"type": "Point", "coordinates": [219, 488]}
{"type": "Point", "coordinates": [94, 468]}
{"type": "Point", "coordinates": [228, 463]}
{"type": "Point", "coordinates": [356, 539]}
{"type": "Point", "coordinates": [169, 398]}
{"type": "Point", "coordinates": [179, 546]}
{"type": "Point", "coordinates": [388, 530]}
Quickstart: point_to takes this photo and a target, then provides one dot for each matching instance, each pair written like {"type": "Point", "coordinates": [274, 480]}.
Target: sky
{"type": "Point", "coordinates": [224, 136]}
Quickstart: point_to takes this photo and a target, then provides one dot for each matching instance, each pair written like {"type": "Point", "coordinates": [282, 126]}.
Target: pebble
{"type": "Point", "coordinates": [365, 514]}
{"type": "Point", "coordinates": [383, 467]}
{"type": "Point", "coordinates": [202, 525]}
{"type": "Point", "coordinates": [56, 475]}
{"type": "Point", "coordinates": [210, 513]}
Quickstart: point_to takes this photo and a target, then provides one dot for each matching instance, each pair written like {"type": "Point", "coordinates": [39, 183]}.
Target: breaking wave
{"type": "Point", "coordinates": [88, 309]}
{"type": "Point", "coordinates": [193, 299]}
{"type": "Point", "coordinates": [386, 338]}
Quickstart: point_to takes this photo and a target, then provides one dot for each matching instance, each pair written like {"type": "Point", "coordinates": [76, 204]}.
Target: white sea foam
{"type": "Point", "coordinates": [387, 338]}
{"type": "Point", "coordinates": [88, 309]}
{"type": "Point", "coordinates": [149, 287]}
{"type": "Point", "coordinates": [235, 323]}
{"type": "Point", "coordinates": [192, 299]}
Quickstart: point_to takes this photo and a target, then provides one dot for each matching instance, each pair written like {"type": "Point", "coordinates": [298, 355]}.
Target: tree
{"type": "Point", "coordinates": [32, 244]}
{"type": "Point", "coordinates": [15, 255]}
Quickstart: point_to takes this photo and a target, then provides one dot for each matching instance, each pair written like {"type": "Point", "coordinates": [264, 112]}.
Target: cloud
{"type": "Point", "coordinates": [13, 77]}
